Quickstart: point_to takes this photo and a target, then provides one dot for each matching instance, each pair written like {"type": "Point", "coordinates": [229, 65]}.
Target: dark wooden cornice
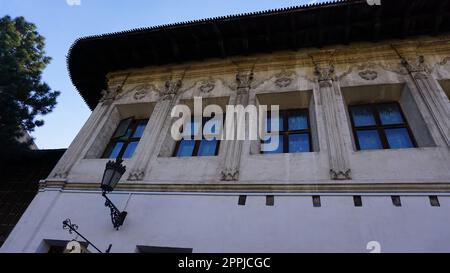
{"type": "Point", "coordinates": [338, 22]}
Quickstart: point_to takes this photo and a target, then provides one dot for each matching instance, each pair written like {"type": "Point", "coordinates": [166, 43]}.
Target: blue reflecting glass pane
{"type": "Point", "coordinates": [269, 124]}
{"type": "Point", "coordinates": [129, 151]}
{"type": "Point", "coordinates": [116, 150]}
{"type": "Point", "coordinates": [139, 130]}
{"type": "Point", "coordinates": [398, 138]}
{"type": "Point", "coordinates": [369, 140]}
{"type": "Point", "coordinates": [390, 114]}
{"type": "Point", "coordinates": [299, 143]}
{"type": "Point", "coordinates": [207, 147]}
{"type": "Point", "coordinates": [186, 148]}
{"type": "Point", "coordinates": [362, 116]}
{"type": "Point", "coordinates": [196, 128]}
{"type": "Point", "coordinates": [297, 121]}
{"type": "Point", "coordinates": [271, 145]}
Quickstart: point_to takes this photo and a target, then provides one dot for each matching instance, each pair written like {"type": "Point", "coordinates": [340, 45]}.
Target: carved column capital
{"type": "Point", "coordinates": [415, 65]}
{"type": "Point", "coordinates": [244, 80]}
{"type": "Point", "coordinates": [325, 75]}
{"type": "Point", "coordinates": [431, 93]}
{"type": "Point", "coordinates": [171, 89]}
{"type": "Point", "coordinates": [109, 95]}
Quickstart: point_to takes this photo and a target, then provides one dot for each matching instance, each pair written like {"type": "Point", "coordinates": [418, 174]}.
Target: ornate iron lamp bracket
{"type": "Point", "coordinates": [73, 228]}
{"type": "Point", "coordinates": [117, 216]}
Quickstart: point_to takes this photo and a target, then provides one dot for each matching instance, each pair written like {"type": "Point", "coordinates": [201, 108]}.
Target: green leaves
{"type": "Point", "coordinates": [23, 94]}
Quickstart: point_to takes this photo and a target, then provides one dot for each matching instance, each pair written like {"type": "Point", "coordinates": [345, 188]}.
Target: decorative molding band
{"type": "Point", "coordinates": [260, 188]}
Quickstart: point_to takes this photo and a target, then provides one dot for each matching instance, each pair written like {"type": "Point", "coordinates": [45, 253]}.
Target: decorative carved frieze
{"type": "Point", "coordinates": [368, 75]}
{"type": "Point", "coordinates": [206, 86]}
{"type": "Point", "coordinates": [283, 79]}
{"type": "Point", "coordinates": [141, 91]}
{"type": "Point", "coordinates": [230, 175]}
{"type": "Point", "coordinates": [136, 175]}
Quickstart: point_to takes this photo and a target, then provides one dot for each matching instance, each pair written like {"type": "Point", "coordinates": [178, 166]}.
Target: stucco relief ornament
{"type": "Point", "coordinates": [283, 79]}
{"type": "Point", "coordinates": [230, 175]}
{"type": "Point", "coordinates": [368, 75]}
{"type": "Point", "coordinates": [325, 75]}
{"type": "Point", "coordinates": [140, 91]}
{"type": "Point", "coordinates": [61, 174]}
{"type": "Point", "coordinates": [136, 175]}
{"type": "Point", "coordinates": [171, 89]}
{"type": "Point", "coordinates": [341, 175]}
{"type": "Point", "coordinates": [206, 86]}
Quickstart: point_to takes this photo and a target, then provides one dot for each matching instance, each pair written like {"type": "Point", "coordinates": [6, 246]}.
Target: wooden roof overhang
{"type": "Point", "coordinates": [317, 25]}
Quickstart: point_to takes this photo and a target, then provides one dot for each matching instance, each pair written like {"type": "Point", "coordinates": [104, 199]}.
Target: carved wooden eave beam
{"type": "Point", "coordinates": [267, 38]}
{"type": "Point", "coordinates": [439, 15]}
{"type": "Point", "coordinates": [220, 42]}
{"type": "Point", "coordinates": [175, 50]}
{"type": "Point", "coordinates": [377, 23]}
{"type": "Point", "coordinates": [348, 25]}
{"type": "Point", "coordinates": [294, 33]}
{"type": "Point", "coordinates": [151, 49]}
{"type": "Point", "coordinates": [244, 38]}
{"type": "Point", "coordinates": [319, 30]}
{"type": "Point", "coordinates": [197, 46]}
{"type": "Point", "coordinates": [407, 18]}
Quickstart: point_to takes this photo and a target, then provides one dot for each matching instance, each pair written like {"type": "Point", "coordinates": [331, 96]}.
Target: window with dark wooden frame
{"type": "Point", "coordinates": [294, 132]}
{"type": "Point", "coordinates": [125, 138]}
{"type": "Point", "coordinates": [380, 126]}
{"type": "Point", "coordinates": [197, 147]}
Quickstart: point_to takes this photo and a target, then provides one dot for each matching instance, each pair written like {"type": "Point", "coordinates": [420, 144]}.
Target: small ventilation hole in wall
{"type": "Point", "coordinates": [316, 201]}
{"type": "Point", "coordinates": [242, 200]}
{"type": "Point", "coordinates": [270, 200]}
{"type": "Point", "coordinates": [396, 201]}
{"type": "Point", "coordinates": [434, 201]}
{"type": "Point", "coordinates": [358, 201]}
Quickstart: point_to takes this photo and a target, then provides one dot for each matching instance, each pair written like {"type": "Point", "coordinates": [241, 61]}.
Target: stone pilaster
{"type": "Point", "coordinates": [233, 148]}
{"type": "Point", "coordinates": [431, 94]}
{"type": "Point", "coordinates": [73, 153]}
{"type": "Point", "coordinates": [78, 145]}
{"type": "Point", "coordinates": [154, 131]}
{"type": "Point", "coordinates": [330, 96]}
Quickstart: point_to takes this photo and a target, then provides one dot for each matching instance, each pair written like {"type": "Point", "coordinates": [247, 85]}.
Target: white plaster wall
{"type": "Point", "coordinates": [215, 223]}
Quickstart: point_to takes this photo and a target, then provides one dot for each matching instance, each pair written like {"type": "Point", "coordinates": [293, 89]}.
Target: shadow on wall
{"type": "Point", "coordinates": [20, 182]}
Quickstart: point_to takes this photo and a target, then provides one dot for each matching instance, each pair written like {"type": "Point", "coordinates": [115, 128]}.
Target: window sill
{"type": "Point", "coordinates": [286, 154]}
{"type": "Point", "coordinates": [397, 150]}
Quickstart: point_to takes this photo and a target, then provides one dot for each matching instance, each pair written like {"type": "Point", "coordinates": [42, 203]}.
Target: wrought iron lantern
{"type": "Point", "coordinates": [113, 172]}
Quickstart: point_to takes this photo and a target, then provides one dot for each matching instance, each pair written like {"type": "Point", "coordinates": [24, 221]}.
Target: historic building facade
{"type": "Point", "coordinates": [366, 137]}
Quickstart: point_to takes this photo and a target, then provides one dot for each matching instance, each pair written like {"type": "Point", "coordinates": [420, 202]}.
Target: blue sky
{"type": "Point", "coordinates": [61, 24]}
